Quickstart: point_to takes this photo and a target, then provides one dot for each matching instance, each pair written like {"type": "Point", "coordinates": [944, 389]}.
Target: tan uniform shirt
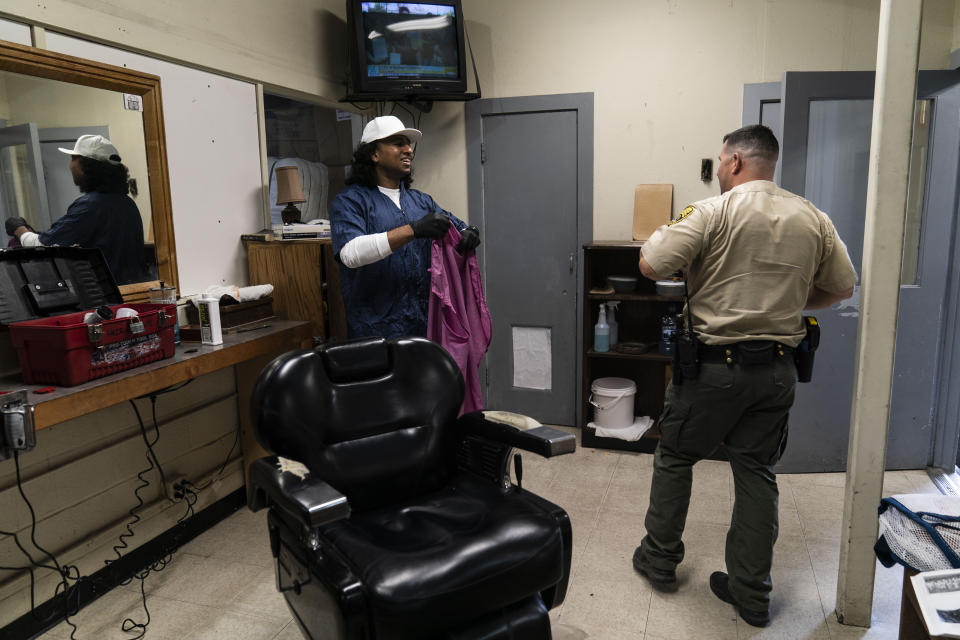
{"type": "Point", "coordinates": [750, 256]}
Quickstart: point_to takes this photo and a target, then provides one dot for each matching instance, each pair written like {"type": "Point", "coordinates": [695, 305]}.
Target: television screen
{"type": "Point", "coordinates": [417, 45]}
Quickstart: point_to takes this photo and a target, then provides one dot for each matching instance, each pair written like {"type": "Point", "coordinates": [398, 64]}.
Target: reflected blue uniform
{"type": "Point", "coordinates": [107, 221]}
{"type": "Point", "coordinates": [388, 297]}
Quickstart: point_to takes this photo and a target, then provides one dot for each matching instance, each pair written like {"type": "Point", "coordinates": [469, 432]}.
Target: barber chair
{"type": "Point", "coordinates": [389, 516]}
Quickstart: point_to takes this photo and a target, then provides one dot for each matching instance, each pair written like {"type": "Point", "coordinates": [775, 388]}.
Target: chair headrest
{"type": "Point", "coordinates": [356, 360]}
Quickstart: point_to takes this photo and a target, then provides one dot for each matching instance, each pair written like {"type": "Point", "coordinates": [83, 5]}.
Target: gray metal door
{"type": "Point", "coordinates": [530, 179]}
{"type": "Point", "coordinates": [21, 176]}
{"type": "Point", "coordinates": [826, 121]}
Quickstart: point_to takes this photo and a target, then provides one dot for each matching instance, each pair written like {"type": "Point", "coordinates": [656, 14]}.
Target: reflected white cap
{"type": "Point", "coordinates": [95, 148]}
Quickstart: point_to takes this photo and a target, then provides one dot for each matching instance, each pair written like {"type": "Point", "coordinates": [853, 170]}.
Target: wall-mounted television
{"type": "Point", "coordinates": [406, 49]}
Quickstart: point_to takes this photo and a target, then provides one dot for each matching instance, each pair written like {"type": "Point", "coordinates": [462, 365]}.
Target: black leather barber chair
{"type": "Point", "coordinates": [402, 521]}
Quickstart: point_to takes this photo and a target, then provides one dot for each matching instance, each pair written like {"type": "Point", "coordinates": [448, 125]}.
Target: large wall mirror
{"type": "Point", "coordinates": [47, 100]}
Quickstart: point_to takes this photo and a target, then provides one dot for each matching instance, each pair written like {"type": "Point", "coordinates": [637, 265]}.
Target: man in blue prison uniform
{"type": "Point", "coordinates": [103, 217]}
{"type": "Point", "coordinates": [381, 231]}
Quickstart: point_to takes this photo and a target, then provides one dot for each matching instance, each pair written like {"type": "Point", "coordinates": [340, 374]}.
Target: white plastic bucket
{"type": "Point", "coordinates": [612, 399]}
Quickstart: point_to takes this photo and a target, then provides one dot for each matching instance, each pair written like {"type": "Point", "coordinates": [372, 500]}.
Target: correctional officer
{"type": "Point", "coordinates": [381, 231]}
{"type": "Point", "coordinates": [754, 257]}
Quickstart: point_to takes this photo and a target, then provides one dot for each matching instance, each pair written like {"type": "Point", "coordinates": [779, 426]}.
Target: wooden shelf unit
{"type": "Point", "coordinates": [638, 320]}
{"type": "Point", "coordinates": [306, 282]}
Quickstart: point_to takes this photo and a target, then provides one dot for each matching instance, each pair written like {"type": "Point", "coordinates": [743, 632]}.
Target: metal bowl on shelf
{"type": "Point", "coordinates": [674, 288]}
{"type": "Point", "coordinates": [623, 284]}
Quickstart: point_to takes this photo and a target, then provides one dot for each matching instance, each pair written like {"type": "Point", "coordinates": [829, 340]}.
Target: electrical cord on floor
{"type": "Point", "coordinates": [188, 497]}
{"type": "Point", "coordinates": [216, 476]}
{"type": "Point", "coordinates": [66, 572]}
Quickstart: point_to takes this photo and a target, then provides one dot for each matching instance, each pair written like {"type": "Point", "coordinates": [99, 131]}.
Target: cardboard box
{"type": "Point", "coordinates": [652, 205]}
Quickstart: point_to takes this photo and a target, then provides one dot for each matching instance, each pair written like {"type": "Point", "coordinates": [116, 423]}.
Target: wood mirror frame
{"type": "Point", "coordinates": [57, 66]}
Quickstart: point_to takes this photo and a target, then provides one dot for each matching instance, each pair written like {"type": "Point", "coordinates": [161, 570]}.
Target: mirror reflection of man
{"type": "Point", "coordinates": [103, 217]}
{"type": "Point", "coordinates": [381, 231]}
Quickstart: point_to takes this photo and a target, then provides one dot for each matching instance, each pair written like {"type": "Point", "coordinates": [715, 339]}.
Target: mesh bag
{"type": "Point", "coordinates": [919, 531]}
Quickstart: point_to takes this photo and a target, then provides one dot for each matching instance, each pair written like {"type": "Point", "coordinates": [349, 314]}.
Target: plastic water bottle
{"type": "Point", "coordinates": [612, 321]}
{"type": "Point", "coordinates": [601, 331]}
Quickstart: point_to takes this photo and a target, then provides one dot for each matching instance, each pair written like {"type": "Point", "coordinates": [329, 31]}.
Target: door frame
{"type": "Point", "coordinates": [32, 143]}
{"type": "Point", "coordinates": [582, 104]}
{"type": "Point", "coordinates": [945, 440]}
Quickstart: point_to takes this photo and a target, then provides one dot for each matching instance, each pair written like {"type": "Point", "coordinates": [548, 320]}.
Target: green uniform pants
{"type": "Point", "coordinates": [746, 409]}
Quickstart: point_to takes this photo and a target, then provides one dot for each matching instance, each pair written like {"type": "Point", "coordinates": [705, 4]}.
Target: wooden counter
{"type": "Point", "coordinates": [191, 360]}
{"type": "Point", "coordinates": [248, 351]}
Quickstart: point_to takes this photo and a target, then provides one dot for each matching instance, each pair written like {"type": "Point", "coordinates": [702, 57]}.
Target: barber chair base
{"type": "Point", "coordinates": [319, 617]}
{"type": "Point", "coordinates": [524, 620]}
{"type": "Point", "coordinates": [329, 603]}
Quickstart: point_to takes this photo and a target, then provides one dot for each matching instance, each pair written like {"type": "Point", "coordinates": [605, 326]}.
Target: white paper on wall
{"type": "Point", "coordinates": [532, 362]}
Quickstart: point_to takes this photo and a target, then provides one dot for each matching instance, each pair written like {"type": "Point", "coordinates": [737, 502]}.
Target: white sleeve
{"type": "Point", "coordinates": [30, 239]}
{"type": "Point", "coordinates": [364, 250]}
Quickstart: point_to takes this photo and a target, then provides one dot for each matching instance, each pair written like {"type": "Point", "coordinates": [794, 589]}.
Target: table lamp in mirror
{"type": "Point", "coordinates": [289, 192]}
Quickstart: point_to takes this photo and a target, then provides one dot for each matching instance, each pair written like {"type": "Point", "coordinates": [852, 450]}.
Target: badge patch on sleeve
{"type": "Point", "coordinates": [683, 214]}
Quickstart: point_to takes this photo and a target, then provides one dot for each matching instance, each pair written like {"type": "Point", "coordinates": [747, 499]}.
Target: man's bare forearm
{"type": "Point", "coordinates": [820, 299]}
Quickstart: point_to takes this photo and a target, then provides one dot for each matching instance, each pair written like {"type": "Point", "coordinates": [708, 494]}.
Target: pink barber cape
{"type": "Point", "coordinates": [457, 317]}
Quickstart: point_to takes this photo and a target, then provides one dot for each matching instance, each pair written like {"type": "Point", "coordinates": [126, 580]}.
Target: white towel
{"type": "Point", "coordinates": [631, 433]}
{"type": "Point", "coordinates": [240, 294]}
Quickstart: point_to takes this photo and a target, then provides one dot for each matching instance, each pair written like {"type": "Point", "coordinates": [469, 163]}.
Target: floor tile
{"type": "Point", "coordinates": [804, 621]}
{"type": "Point", "coordinates": [289, 632]}
{"type": "Point", "coordinates": [222, 584]}
{"type": "Point", "coordinates": [692, 612]}
{"type": "Point", "coordinates": [242, 535]}
{"type": "Point", "coordinates": [607, 608]}
{"type": "Point", "coordinates": [236, 626]}
{"type": "Point", "coordinates": [212, 582]}
{"type": "Point", "coordinates": [261, 597]}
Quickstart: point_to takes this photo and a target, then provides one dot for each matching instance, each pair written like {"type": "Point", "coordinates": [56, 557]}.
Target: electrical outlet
{"type": "Point", "coordinates": [706, 170]}
{"type": "Point", "coordinates": [17, 432]}
{"type": "Point", "coordinates": [175, 486]}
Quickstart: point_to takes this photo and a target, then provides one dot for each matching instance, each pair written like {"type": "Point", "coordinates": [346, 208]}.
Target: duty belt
{"type": "Point", "coordinates": [751, 352]}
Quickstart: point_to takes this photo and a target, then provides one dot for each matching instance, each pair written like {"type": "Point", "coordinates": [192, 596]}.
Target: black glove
{"type": "Point", "coordinates": [470, 238]}
{"type": "Point", "coordinates": [12, 224]}
{"type": "Point", "coordinates": [432, 225]}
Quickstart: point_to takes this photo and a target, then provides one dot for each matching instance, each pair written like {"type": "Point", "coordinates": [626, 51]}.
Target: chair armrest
{"type": "Point", "coordinates": [518, 431]}
{"type": "Point", "coordinates": [303, 496]}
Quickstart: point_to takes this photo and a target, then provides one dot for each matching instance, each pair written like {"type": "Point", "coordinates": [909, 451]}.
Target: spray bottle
{"type": "Point", "coordinates": [601, 332]}
{"type": "Point", "coordinates": [612, 321]}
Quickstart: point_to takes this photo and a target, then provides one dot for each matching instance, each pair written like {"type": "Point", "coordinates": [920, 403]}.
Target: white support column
{"type": "Point", "coordinates": [893, 107]}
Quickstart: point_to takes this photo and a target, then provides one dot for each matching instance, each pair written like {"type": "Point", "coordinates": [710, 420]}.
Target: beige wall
{"type": "Point", "coordinates": [283, 43]}
{"type": "Point", "coordinates": [667, 79]}
{"type": "Point", "coordinates": [956, 26]}
{"type": "Point", "coordinates": [667, 76]}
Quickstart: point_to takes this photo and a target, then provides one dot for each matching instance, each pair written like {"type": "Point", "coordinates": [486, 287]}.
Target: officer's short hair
{"type": "Point", "coordinates": [756, 140]}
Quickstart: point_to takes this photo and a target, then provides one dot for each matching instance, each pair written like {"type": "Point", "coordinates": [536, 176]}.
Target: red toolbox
{"type": "Point", "coordinates": [63, 350]}
{"type": "Point", "coordinates": [45, 293]}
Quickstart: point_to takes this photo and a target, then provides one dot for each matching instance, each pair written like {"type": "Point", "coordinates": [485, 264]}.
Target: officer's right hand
{"type": "Point", "coordinates": [12, 224]}
{"type": "Point", "coordinates": [432, 225]}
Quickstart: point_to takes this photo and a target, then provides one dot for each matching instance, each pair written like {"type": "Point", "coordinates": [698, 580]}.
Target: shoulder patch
{"type": "Point", "coordinates": [683, 214]}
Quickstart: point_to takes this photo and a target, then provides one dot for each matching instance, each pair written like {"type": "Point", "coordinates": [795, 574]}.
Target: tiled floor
{"type": "Point", "coordinates": [221, 585]}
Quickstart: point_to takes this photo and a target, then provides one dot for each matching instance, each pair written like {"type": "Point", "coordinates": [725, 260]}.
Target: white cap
{"type": "Point", "coordinates": [95, 148]}
{"type": "Point", "coordinates": [386, 126]}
